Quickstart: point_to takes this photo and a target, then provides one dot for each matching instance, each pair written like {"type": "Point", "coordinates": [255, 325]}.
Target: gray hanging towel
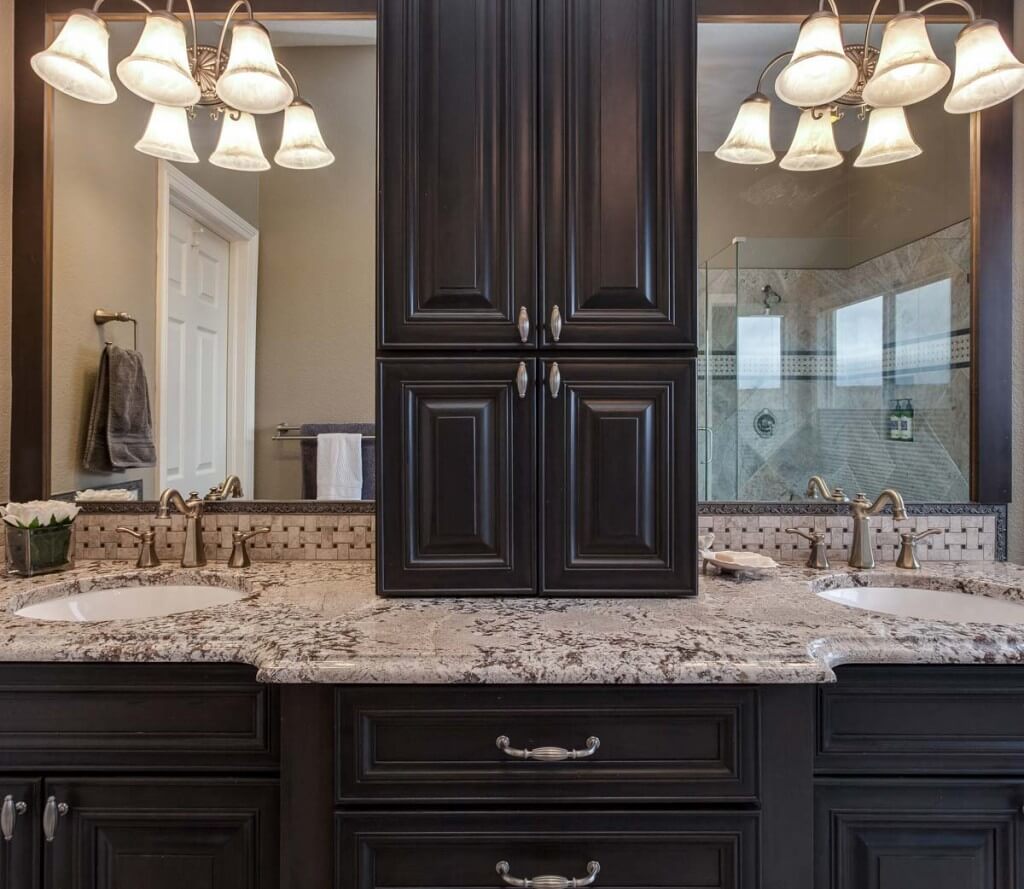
{"type": "Point", "coordinates": [120, 433]}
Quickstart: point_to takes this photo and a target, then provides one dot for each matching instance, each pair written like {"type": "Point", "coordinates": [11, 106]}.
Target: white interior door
{"type": "Point", "coordinates": [194, 388]}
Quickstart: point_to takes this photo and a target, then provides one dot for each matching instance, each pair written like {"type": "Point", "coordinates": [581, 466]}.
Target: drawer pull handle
{"type": "Point", "coordinates": [549, 754]}
{"type": "Point", "coordinates": [522, 380]}
{"type": "Point", "coordinates": [9, 812]}
{"type": "Point", "coordinates": [549, 881]}
{"type": "Point", "coordinates": [555, 324]}
{"type": "Point", "coordinates": [51, 813]}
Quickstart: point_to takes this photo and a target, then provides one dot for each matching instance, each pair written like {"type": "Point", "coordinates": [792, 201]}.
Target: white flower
{"type": "Point", "coordinates": [39, 513]}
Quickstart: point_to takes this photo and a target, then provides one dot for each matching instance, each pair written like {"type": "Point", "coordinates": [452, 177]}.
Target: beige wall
{"type": "Point", "coordinates": [104, 254]}
{"type": "Point", "coordinates": [6, 171]}
{"type": "Point", "coordinates": [315, 320]}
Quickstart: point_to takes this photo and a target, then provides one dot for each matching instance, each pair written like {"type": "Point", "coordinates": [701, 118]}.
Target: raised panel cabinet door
{"type": "Point", "coordinates": [457, 477]}
{"type": "Point", "coordinates": [618, 477]}
{"type": "Point", "coordinates": [906, 834]}
{"type": "Point", "coordinates": [20, 839]}
{"type": "Point", "coordinates": [160, 833]}
{"type": "Point", "coordinates": [617, 172]}
{"type": "Point", "coordinates": [457, 213]}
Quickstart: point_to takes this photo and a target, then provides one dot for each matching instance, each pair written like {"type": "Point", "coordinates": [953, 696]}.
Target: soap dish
{"type": "Point", "coordinates": [729, 562]}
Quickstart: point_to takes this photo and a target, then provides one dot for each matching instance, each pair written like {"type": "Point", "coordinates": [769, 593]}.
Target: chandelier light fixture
{"type": "Point", "coordinates": [822, 75]}
{"type": "Point", "coordinates": [178, 79]}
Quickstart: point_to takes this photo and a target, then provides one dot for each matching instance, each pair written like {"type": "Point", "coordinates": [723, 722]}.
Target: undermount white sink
{"type": "Point", "coordinates": [125, 603]}
{"type": "Point", "coordinates": [929, 604]}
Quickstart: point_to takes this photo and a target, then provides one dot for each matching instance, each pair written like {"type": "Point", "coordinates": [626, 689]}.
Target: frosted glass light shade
{"type": "Point", "coordinates": [750, 139]}
{"type": "Point", "coordinates": [77, 62]}
{"type": "Point", "coordinates": [167, 135]}
{"type": "Point", "coordinates": [987, 73]}
{"type": "Point", "coordinates": [819, 71]}
{"type": "Point", "coordinates": [888, 139]}
{"type": "Point", "coordinates": [251, 80]}
{"type": "Point", "coordinates": [238, 147]}
{"type": "Point", "coordinates": [302, 145]}
{"type": "Point", "coordinates": [814, 145]}
{"type": "Point", "coordinates": [158, 69]}
{"type": "Point", "coordinates": [908, 70]}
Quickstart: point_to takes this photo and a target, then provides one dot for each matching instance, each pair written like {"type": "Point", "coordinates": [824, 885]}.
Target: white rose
{"type": "Point", "coordinates": [39, 513]}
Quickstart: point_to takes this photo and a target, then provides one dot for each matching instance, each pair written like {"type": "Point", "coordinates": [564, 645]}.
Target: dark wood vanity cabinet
{"type": "Point", "coordinates": [116, 776]}
{"type": "Point", "coordinates": [456, 206]}
{"type": "Point", "coordinates": [460, 489]}
{"type": "Point", "coordinates": [912, 834]}
{"type": "Point", "coordinates": [536, 197]}
{"type": "Point", "coordinates": [475, 232]}
{"type": "Point", "coordinates": [21, 833]}
{"type": "Point", "coordinates": [618, 478]}
{"type": "Point", "coordinates": [617, 167]}
{"type": "Point", "coordinates": [457, 477]}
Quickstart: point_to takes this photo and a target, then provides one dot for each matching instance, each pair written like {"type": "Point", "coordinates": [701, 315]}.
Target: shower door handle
{"type": "Point", "coordinates": [709, 444]}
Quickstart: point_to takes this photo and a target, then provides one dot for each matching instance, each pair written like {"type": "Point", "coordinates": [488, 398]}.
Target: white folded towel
{"type": "Point", "coordinates": [339, 466]}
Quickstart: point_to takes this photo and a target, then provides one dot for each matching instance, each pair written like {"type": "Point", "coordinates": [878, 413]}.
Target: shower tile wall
{"type": "Point", "coordinates": [814, 419]}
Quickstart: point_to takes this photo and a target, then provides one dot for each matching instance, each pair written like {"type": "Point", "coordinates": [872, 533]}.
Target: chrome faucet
{"type": "Point", "coordinates": [194, 555]}
{"type": "Point", "coordinates": [862, 554]}
{"type": "Point", "coordinates": [230, 487]}
{"type": "Point", "coordinates": [817, 485]}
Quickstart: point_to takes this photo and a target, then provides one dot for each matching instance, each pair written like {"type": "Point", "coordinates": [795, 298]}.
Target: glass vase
{"type": "Point", "coordinates": [32, 551]}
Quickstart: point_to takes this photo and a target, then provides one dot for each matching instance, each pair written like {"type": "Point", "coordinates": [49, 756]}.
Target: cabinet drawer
{"type": "Point", "coordinates": [922, 720]}
{"type": "Point", "coordinates": [439, 744]}
{"type": "Point", "coordinates": [118, 716]}
{"type": "Point", "coordinates": [710, 850]}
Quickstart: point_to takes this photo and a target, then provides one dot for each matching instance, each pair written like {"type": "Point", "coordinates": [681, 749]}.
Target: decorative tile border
{"type": "Point", "coordinates": [971, 532]}
{"type": "Point", "coordinates": [243, 507]}
{"type": "Point", "coordinates": [312, 537]}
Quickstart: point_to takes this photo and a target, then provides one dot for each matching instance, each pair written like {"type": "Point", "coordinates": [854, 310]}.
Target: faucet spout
{"type": "Point", "coordinates": [862, 553]}
{"type": "Point", "coordinates": [230, 487]}
{"type": "Point", "coordinates": [817, 485]}
{"type": "Point", "coordinates": [891, 497]}
{"type": "Point", "coordinates": [194, 554]}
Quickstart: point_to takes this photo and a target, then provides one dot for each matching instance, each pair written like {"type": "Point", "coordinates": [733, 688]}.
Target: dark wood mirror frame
{"type": "Point", "coordinates": [991, 439]}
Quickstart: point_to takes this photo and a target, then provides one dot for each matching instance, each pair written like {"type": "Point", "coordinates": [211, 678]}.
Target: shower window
{"type": "Point", "coordinates": [858, 337]}
{"type": "Point", "coordinates": [759, 352]}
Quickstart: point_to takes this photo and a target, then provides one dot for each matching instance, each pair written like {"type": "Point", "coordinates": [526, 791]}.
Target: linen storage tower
{"type": "Point", "coordinates": [536, 323]}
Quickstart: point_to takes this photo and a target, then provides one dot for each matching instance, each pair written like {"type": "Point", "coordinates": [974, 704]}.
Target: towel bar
{"type": "Point", "coordinates": [105, 316]}
{"type": "Point", "coordinates": [282, 430]}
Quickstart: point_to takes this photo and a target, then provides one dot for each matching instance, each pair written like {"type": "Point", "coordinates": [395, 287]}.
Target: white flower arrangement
{"type": "Point", "coordinates": [39, 513]}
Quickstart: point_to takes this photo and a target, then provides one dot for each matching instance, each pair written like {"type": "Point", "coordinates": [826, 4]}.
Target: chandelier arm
{"type": "Point", "coordinates": [963, 4]}
{"type": "Point", "coordinates": [238, 4]}
{"type": "Point", "coordinates": [291, 77]}
{"type": "Point", "coordinates": [99, 3]}
{"type": "Point", "coordinates": [770, 65]}
{"type": "Point", "coordinates": [832, 3]}
{"type": "Point", "coordinates": [195, 33]}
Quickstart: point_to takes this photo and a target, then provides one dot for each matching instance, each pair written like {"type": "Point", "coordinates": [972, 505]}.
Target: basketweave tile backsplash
{"type": "Point", "coordinates": [966, 537]}
{"type": "Point", "coordinates": [311, 537]}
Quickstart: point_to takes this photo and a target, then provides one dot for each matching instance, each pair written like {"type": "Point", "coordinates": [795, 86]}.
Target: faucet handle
{"type": "Point", "coordinates": [818, 558]}
{"type": "Point", "coordinates": [147, 551]}
{"type": "Point", "coordinates": [239, 553]}
{"type": "Point", "coordinates": [908, 550]}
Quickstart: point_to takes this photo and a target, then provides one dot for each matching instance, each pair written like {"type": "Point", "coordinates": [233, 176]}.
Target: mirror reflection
{"type": "Point", "coordinates": [834, 283]}
{"type": "Point", "coordinates": [246, 266]}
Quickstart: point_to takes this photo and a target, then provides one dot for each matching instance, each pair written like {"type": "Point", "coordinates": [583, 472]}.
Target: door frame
{"type": "Point", "coordinates": [176, 189]}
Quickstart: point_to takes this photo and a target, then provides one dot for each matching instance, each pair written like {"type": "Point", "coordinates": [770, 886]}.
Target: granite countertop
{"type": "Point", "coordinates": [321, 622]}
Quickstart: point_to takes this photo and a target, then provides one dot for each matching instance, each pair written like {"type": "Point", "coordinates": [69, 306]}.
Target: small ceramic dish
{"type": "Point", "coordinates": [729, 562]}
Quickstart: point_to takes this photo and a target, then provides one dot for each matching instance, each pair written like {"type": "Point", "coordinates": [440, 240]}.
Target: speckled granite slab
{"type": "Point", "coordinates": [309, 622]}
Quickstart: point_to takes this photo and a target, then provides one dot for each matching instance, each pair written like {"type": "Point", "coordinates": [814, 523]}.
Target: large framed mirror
{"type": "Point", "coordinates": [853, 280]}
{"type": "Point", "coordinates": [233, 253]}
